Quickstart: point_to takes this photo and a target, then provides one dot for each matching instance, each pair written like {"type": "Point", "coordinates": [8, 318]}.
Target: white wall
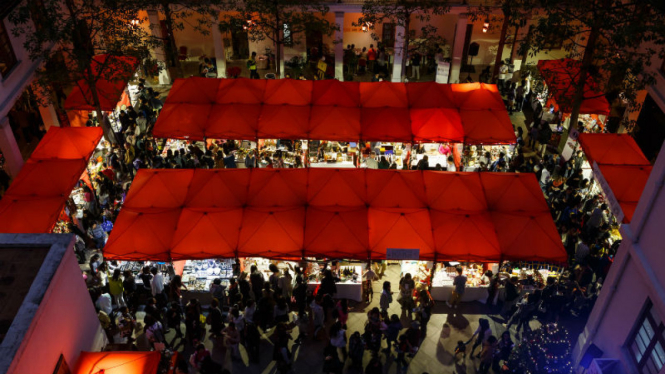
{"type": "Point", "coordinates": [65, 323]}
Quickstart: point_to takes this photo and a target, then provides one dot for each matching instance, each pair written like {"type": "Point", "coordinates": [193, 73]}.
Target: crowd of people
{"type": "Point", "coordinates": [253, 305]}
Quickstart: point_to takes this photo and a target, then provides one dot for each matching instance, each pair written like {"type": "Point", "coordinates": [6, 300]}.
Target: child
{"type": "Point", "coordinates": [394, 327]}
{"type": "Point", "coordinates": [460, 349]}
{"type": "Point", "coordinates": [402, 348]}
{"type": "Point", "coordinates": [386, 297]}
{"type": "Point", "coordinates": [303, 325]}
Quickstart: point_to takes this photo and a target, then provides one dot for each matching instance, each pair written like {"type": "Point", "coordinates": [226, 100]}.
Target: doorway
{"type": "Point", "coordinates": [240, 43]}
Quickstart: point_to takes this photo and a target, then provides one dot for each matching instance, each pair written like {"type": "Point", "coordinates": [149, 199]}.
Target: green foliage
{"type": "Point", "coordinates": [618, 39]}
{"type": "Point", "coordinates": [401, 13]}
{"type": "Point", "coordinates": [268, 19]}
{"type": "Point", "coordinates": [69, 34]}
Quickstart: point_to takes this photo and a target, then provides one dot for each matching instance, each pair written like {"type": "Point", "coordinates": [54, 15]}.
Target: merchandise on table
{"type": "Point", "coordinates": [198, 275]}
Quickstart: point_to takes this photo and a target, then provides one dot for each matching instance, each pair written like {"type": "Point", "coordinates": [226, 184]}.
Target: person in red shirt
{"type": "Point", "coordinates": [371, 57]}
{"type": "Point", "coordinates": [108, 173]}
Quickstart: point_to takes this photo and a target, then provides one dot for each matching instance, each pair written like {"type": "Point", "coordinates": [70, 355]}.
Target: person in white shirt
{"type": "Point", "coordinates": [104, 302]}
{"type": "Point", "coordinates": [371, 162]}
{"type": "Point", "coordinates": [451, 164]}
{"type": "Point", "coordinates": [545, 178]}
{"type": "Point", "coordinates": [157, 283]}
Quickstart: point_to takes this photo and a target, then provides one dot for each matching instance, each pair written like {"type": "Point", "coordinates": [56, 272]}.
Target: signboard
{"type": "Point", "coordinates": [612, 201]}
{"type": "Point", "coordinates": [442, 72]}
{"type": "Point", "coordinates": [402, 254]}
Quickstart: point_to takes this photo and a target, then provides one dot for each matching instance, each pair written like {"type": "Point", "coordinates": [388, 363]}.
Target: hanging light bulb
{"type": "Point", "coordinates": [486, 25]}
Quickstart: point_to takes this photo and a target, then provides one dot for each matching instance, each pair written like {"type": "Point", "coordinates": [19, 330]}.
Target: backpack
{"type": "Point", "coordinates": [107, 225]}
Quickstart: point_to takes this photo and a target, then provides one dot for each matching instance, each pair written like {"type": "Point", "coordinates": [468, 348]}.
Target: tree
{"type": "Point", "coordinates": [401, 13]}
{"type": "Point", "coordinates": [543, 351]}
{"type": "Point", "coordinates": [615, 41]}
{"type": "Point", "coordinates": [203, 13]}
{"type": "Point", "coordinates": [278, 21]}
{"type": "Point", "coordinates": [66, 38]}
{"type": "Point", "coordinates": [514, 15]}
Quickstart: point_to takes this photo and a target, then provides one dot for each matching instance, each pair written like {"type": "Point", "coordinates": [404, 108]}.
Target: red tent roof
{"type": "Point", "coordinates": [560, 77]}
{"type": "Point", "coordinates": [199, 108]}
{"type": "Point", "coordinates": [113, 73]}
{"type": "Point", "coordinates": [623, 166]}
{"type": "Point", "coordinates": [117, 363]}
{"type": "Point", "coordinates": [612, 149]}
{"type": "Point", "coordinates": [37, 195]}
{"type": "Point", "coordinates": [358, 214]}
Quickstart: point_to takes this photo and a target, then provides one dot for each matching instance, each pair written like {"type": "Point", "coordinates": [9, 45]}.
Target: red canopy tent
{"type": "Point", "coordinates": [357, 214]}
{"type": "Point", "coordinates": [113, 73]}
{"type": "Point", "coordinates": [621, 168]}
{"type": "Point", "coordinates": [118, 363]}
{"type": "Point", "coordinates": [560, 77]}
{"type": "Point", "coordinates": [37, 195]}
{"type": "Point", "coordinates": [199, 108]}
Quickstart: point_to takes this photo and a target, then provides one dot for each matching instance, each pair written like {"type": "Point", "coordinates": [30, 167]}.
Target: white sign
{"type": "Point", "coordinates": [612, 201]}
{"type": "Point", "coordinates": [402, 254]}
{"type": "Point", "coordinates": [442, 72]}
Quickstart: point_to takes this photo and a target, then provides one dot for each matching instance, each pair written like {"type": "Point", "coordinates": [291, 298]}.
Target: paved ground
{"type": "Point", "coordinates": [435, 354]}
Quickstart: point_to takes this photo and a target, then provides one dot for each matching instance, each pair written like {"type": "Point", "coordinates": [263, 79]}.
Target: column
{"type": "Point", "coordinates": [399, 49]}
{"type": "Point", "coordinates": [458, 48]}
{"type": "Point", "coordinates": [9, 147]}
{"type": "Point", "coordinates": [49, 116]}
{"type": "Point", "coordinates": [158, 51]}
{"type": "Point", "coordinates": [339, 47]}
{"type": "Point", "coordinates": [220, 53]}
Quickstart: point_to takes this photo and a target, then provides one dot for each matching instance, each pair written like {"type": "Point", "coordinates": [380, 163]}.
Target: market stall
{"type": "Point", "coordinates": [123, 363]}
{"type": "Point", "coordinates": [559, 78]}
{"type": "Point", "coordinates": [620, 168]}
{"type": "Point", "coordinates": [284, 214]}
{"type": "Point", "coordinates": [38, 194]}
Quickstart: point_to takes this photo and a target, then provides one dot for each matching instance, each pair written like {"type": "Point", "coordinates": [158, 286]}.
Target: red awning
{"type": "Point", "coordinates": [37, 195]}
{"type": "Point", "coordinates": [560, 77]}
{"type": "Point", "coordinates": [113, 73]}
{"type": "Point", "coordinates": [118, 363]}
{"type": "Point", "coordinates": [622, 165]}
{"type": "Point", "coordinates": [356, 214]}
{"type": "Point", "coordinates": [246, 109]}
{"type": "Point", "coordinates": [612, 149]}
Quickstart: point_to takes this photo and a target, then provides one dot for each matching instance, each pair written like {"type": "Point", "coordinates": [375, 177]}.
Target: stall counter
{"type": "Point", "coordinates": [442, 293]}
{"type": "Point", "coordinates": [345, 290]}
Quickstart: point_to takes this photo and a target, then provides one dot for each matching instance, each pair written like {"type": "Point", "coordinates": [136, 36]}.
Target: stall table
{"type": "Point", "coordinates": [442, 293]}
{"type": "Point", "coordinates": [345, 290]}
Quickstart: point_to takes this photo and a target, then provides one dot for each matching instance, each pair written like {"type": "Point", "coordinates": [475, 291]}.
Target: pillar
{"type": "Point", "coordinates": [158, 51]}
{"type": "Point", "coordinates": [399, 50]}
{"type": "Point", "coordinates": [458, 48]}
{"type": "Point", "coordinates": [339, 47]}
{"type": "Point", "coordinates": [220, 53]}
{"type": "Point", "coordinates": [9, 147]}
{"type": "Point", "coordinates": [49, 116]}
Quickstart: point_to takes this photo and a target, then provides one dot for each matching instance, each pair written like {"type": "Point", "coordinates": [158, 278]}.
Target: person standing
{"type": "Point", "coordinates": [483, 332]}
{"type": "Point", "coordinates": [251, 65]}
{"type": "Point", "coordinates": [371, 57]}
{"type": "Point", "coordinates": [415, 66]}
{"type": "Point", "coordinates": [406, 287]}
{"type": "Point", "coordinates": [257, 281]}
{"type": "Point", "coordinates": [116, 288]}
{"type": "Point", "coordinates": [157, 286]}
{"type": "Point", "coordinates": [459, 284]}
{"type": "Point", "coordinates": [386, 297]}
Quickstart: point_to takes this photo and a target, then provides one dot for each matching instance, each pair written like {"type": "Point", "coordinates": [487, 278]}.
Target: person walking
{"type": "Point", "coordinates": [483, 332]}
{"type": "Point", "coordinates": [459, 285]}
{"type": "Point", "coordinates": [487, 354]}
{"type": "Point", "coordinates": [338, 338]}
{"type": "Point", "coordinates": [371, 59]}
{"type": "Point", "coordinates": [116, 289]}
{"type": "Point", "coordinates": [406, 287]}
{"type": "Point", "coordinates": [251, 65]}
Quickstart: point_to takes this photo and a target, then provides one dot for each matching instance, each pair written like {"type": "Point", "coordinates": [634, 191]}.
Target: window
{"type": "Point", "coordinates": [7, 56]}
{"type": "Point", "coordinates": [388, 35]}
{"type": "Point", "coordinates": [647, 344]}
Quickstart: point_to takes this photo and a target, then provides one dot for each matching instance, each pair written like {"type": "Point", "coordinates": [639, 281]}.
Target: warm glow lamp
{"type": "Point", "coordinates": [486, 25]}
